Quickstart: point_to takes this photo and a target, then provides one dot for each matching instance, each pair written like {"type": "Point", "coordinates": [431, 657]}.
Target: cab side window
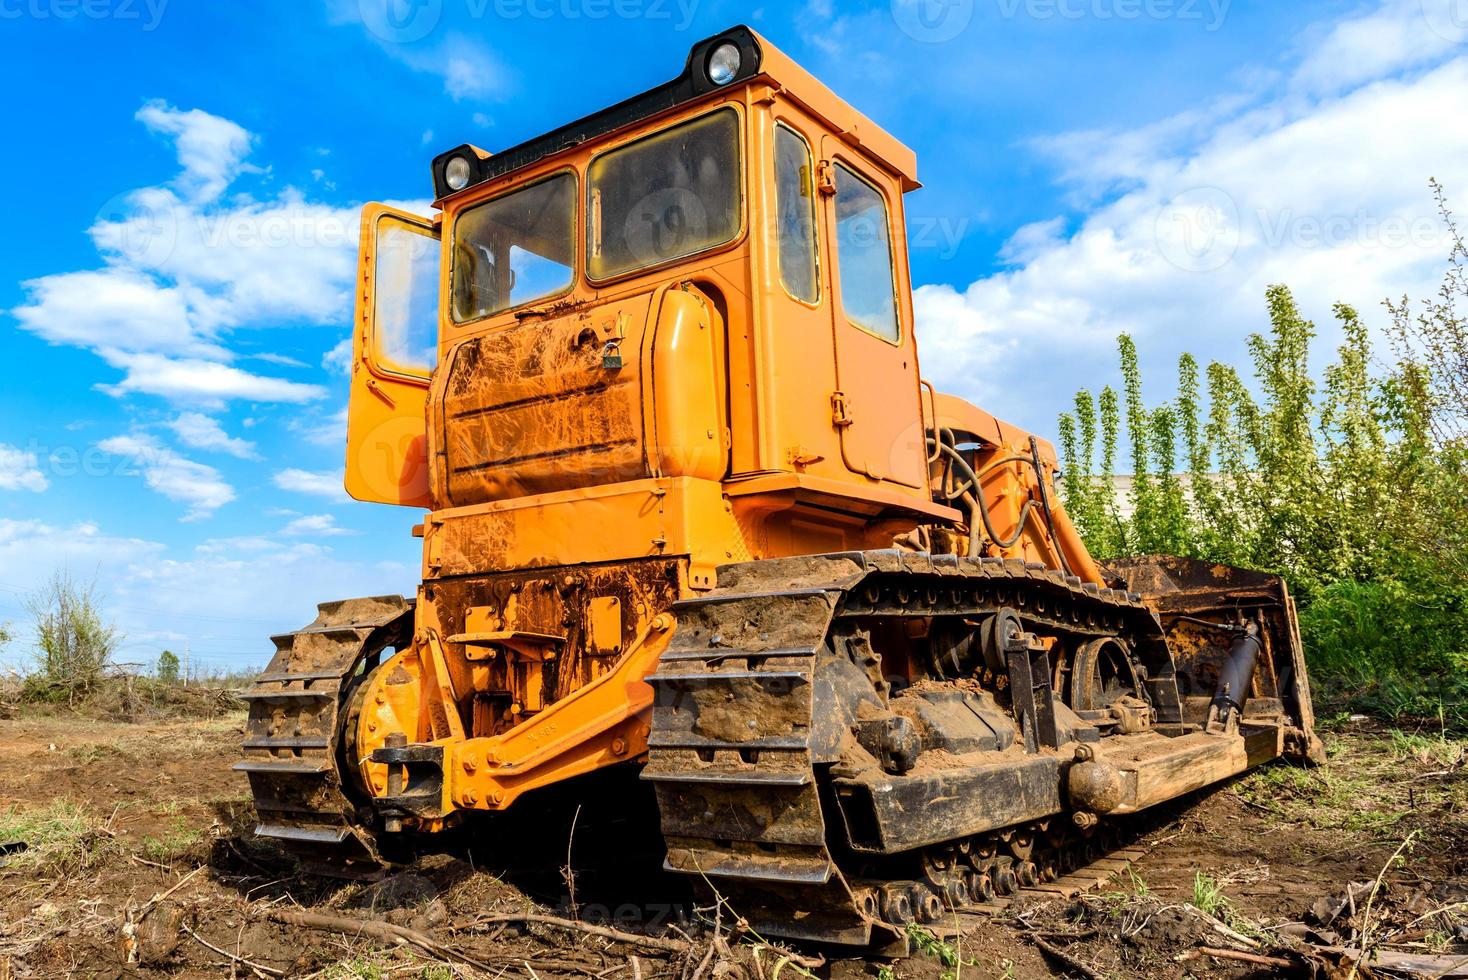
{"type": "Point", "coordinates": [405, 299]}
{"type": "Point", "coordinates": [864, 256]}
{"type": "Point", "coordinates": [795, 217]}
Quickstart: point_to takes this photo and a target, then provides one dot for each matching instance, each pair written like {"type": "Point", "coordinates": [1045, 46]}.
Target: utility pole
{"type": "Point", "coordinates": [186, 663]}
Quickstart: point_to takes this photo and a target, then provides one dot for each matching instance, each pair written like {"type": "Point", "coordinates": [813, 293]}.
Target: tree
{"type": "Point", "coordinates": [168, 667]}
{"type": "Point", "coordinates": [73, 643]}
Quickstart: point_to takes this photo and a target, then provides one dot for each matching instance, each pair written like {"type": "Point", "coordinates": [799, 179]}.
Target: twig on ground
{"type": "Point", "coordinates": [1277, 962]}
{"type": "Point", "coordinates": [232, 957]}
{"type": "Point", "coordinates": [570, 872]}
{"type": "Point", "coordinates": [1056, 953]}
{"type": "Point", "coordinates": [604, 932]}
{"type": "Point", "coordinates": [1370, 901]}
{"type": "Point", "coordinates": [156, 900]}
{"type": "Point", "coordinates": [385, 931]}
{"type": "Point", "coordinates": [151, 864]}
{"type": "Point", "coordinates": [1221, 928]}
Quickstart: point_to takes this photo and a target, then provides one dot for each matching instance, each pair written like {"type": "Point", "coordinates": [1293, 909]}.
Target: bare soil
{"type": "Point", "coordinates": [140, 859]}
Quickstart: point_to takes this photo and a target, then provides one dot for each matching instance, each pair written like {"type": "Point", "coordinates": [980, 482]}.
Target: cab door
{"type": "Point", "coordinates": [394, 351]}
{"type": "Point", "coordinates": [877, 406]}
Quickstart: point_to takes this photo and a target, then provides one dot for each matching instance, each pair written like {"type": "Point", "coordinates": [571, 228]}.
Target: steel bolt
{"type": "Point", "coordinates": [469, 797]}
{"type": "Point", "coordinates": [497, 797]}
{"type": "Point", "coordinates": [468, 761]}
{"type": "Point", "coordinates": [619, 746]}
{"type": "Point", "coordinates": [1084, 819]}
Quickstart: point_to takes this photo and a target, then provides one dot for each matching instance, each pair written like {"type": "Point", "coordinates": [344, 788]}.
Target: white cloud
{"type": "Point", "coordinates": [114, 307]}
{"type": "Point", "coordinates": [208, 384]}
{"type": "Point", "coordinates": [410, 34]}
{"type": "Point", "coordinates": [316, 526]}
{"type": "Point", "coordinates": [329, 431]}
{"type": "Point", "coordinates": [281, 359]}
{"type": "Point", "coordinates": [1397, 34]}
{"type": "Point", "coordinates": [210, 149]}
{"type": "Point", "coordinates": [202, 432]}
{"type": "Point", "coordinates": [175, 477]}
{"type": "Point", "coordinates": [19, 470]}
{"type": "Point", "coordinates": [1190, 219]}
{"type": "Point", "coordinates": [317, 484]}
{"type": "Point", "coordinates": [185, 267]}
{"type": "Point", "coordinates": [338, 360]}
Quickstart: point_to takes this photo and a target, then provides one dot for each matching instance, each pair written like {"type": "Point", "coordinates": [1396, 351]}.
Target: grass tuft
{"type": "Point", "coordinates": [61, 837]}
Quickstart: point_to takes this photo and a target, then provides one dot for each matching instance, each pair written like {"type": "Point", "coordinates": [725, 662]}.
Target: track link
{"type": "Point", "coordinates": [735, 746]}
{"type": "Point", "coordinates": [295, 747]}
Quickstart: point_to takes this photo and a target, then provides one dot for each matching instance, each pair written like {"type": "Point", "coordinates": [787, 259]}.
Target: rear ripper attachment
{"type": "Point", "coordinates": [848, 743]}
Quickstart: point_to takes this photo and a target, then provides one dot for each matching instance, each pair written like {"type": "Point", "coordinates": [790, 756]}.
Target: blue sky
{"type": "Point", "coordinates": [183, 180]}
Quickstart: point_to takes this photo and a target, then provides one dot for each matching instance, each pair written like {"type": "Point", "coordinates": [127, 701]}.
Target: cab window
{"type": "Point", "coordinates": [864, 256]}
{"type": "Point", "coordinates": [515, 249]}
{"type": "Point", "coordinates": [405, 299]}
{"type": "Point", "coordinates": [664, 197]}
{"type": "Point", "coordinates": [795, 204]}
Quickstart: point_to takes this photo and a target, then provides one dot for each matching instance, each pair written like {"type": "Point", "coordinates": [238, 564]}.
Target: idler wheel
{"type": "Point", "coordinates": [980, 886]}
{"type": "Point", "coordinates": [1027, 874]}
{"type": "Point", "coordinates": [955, 892]}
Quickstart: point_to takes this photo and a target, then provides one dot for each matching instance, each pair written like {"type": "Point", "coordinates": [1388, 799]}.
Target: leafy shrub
{"type": "Point", "coordinates": [1354, 487]}
{"type": "Point", "coordinates": [168, 666]}
{"type": "Point", "coordinates": [74, 644]}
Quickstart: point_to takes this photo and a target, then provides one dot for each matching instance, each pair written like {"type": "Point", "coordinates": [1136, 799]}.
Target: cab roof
{"type": "Point", "coordinates": [760, 61]}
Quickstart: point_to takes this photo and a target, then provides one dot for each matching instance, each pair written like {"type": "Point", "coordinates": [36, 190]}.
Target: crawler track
{"type": "Point", "coordinates": [747, 804]}
{"type": "Point", "coordinates": [296, 755]}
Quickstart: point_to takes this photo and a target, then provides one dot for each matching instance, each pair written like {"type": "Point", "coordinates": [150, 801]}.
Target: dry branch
{"type": "Point", "coordinates": [1056, 953]}
{"type": "Point", "coordinates": [232, 957]}
{"type": "Point", "coordinates": [1254, 958]}
{"type": "Point", "coordinates": [604, 932]}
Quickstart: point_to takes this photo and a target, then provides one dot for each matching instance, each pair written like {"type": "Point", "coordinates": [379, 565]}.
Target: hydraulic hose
{"type": "Point", "coordinates": [971, 486]}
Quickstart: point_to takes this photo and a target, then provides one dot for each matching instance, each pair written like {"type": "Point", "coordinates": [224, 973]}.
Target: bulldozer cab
{"type": "Point", "coordinates": [707, 281]}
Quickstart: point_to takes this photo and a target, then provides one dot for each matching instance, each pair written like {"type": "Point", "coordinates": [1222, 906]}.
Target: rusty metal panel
{"type": "Point", "coordinates": [542, 406]}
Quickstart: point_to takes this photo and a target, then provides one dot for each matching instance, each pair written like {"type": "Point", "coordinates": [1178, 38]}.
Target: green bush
{"type": "Point", "coordinates": [1391, 626]}
{"type": "Point", "coordinates": [1352, 484]}
{"type": "Point", "coordinates": [74, 644]}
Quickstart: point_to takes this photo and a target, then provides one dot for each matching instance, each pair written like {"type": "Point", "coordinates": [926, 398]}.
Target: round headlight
{"type": "Point", "coordinates": [456, 173]}
{"type": "Point", "coordinates": [724, 64]}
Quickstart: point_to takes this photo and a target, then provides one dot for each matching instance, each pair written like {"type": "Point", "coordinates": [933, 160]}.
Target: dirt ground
{"type": "Point", "coordinates": [141, 864]}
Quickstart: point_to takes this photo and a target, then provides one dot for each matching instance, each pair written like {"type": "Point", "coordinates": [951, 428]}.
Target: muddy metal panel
{"type": "Point", "coordinates": [546, 405]}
